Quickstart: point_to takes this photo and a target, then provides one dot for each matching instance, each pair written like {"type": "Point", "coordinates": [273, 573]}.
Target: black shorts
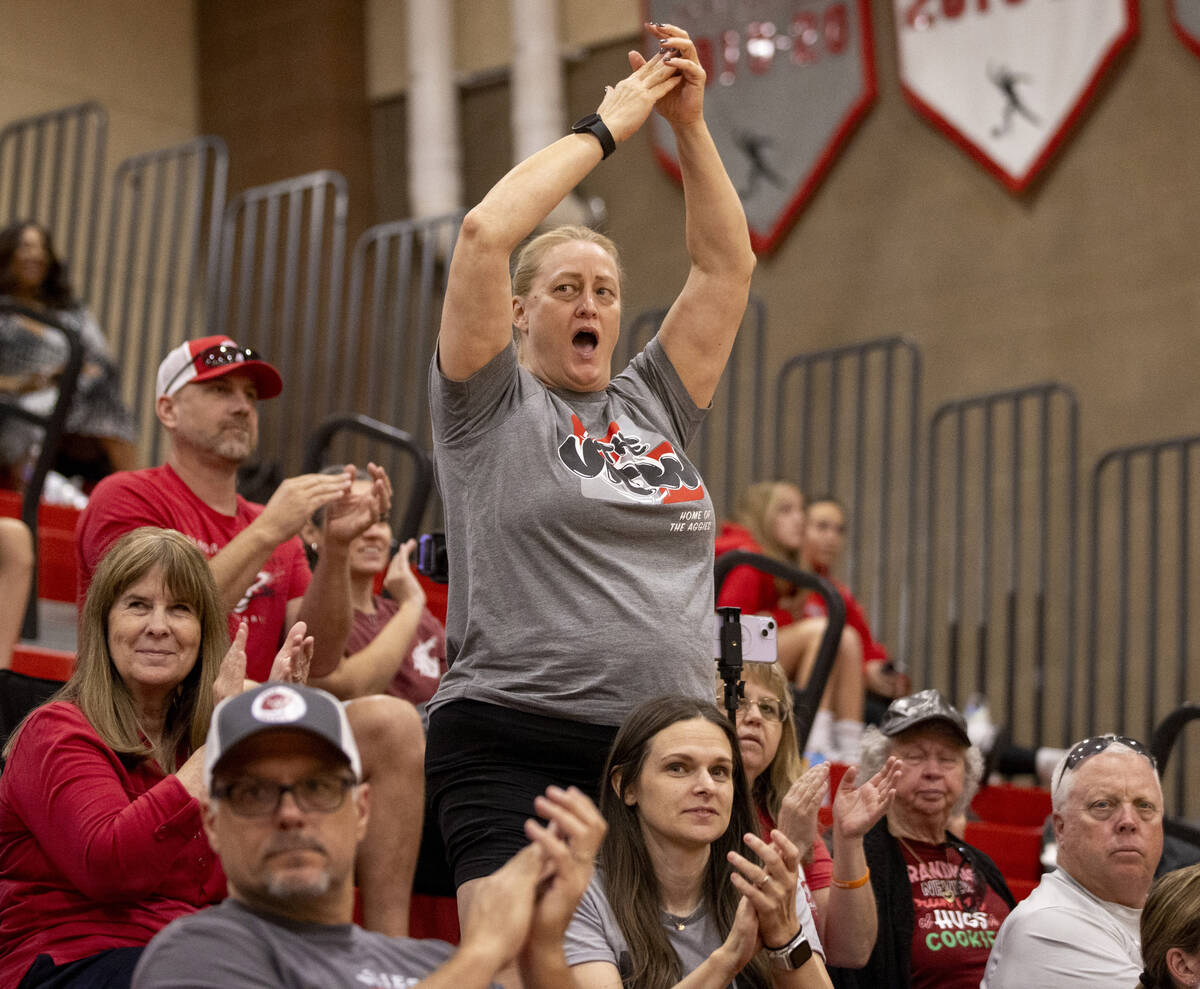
{"type": "Point", "coordinates": [484, 764]}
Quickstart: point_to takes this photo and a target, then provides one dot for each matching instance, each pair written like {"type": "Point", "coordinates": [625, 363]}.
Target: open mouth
{"type": "Point", "coordinates": [585, 342]}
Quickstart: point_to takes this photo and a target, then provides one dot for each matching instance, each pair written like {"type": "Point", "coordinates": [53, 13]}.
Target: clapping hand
{"type": "Point", "coordinates": [856, 810]}
{"type": "Point", "coordinates": [294, 657]}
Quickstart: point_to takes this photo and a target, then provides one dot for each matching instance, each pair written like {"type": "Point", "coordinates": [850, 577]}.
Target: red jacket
{"type": "Point", "coordinates": [97, 850]}
{"type": "Point", "coordinates": [756, 593]}
{"type": "Point", "coordinates": [745, 587]}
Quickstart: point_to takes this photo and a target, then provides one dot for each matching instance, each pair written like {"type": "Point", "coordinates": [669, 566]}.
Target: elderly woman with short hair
{"type": "Point", "coordinates": [939, 900]}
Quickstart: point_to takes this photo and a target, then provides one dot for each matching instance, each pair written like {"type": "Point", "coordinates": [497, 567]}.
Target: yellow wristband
{"type": "Point", "coordinates": [853, 883]}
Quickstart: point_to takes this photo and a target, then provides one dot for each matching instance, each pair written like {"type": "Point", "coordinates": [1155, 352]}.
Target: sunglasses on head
{"type": "Point", "coordinates": [1082, 751]}
{"type": "Point", "coordinates": [218, 355]}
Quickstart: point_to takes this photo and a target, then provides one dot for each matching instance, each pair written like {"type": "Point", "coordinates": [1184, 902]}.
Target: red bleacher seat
{"type": "Point", "coordinates": [56, 546]}
{"type": "Point", "coordinates": [47, 664]}
{"type": "Point", "coordinates": [1009, 804]}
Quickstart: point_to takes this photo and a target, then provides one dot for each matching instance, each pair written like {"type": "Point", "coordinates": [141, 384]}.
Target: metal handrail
{"type": "Point", "coordinates": [418, 497]}
{"type": "Point", "coordinates": [809, 698]}
{"type": "Point", "coordinates": [52, 426]}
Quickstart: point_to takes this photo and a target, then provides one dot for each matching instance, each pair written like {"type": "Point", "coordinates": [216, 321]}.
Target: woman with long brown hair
{"type": "Point", "coordinates": [676, 900]}
{"type": "Point", "coordinates": [101, 843]}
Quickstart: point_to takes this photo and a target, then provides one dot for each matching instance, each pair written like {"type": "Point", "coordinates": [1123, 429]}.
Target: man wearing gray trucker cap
{"type": "Point", "coordinates": [286, 809]}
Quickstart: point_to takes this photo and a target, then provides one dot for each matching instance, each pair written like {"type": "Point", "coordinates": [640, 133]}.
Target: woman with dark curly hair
{"type": "Point", "coordinates": [100, 430]}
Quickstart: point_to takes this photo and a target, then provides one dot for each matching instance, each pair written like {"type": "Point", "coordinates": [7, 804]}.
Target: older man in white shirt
{"type": "Point", "coordinates": [1080, 927]}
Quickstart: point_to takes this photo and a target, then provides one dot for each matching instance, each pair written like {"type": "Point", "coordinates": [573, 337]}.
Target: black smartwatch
{"type": "Point", "coordinates": [592, 124]}
{"type": "Point", "coordinates": [793, 954]}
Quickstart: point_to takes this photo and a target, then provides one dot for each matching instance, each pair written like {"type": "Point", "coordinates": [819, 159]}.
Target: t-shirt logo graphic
{"type": "Point", "coordinates": [622, 467]}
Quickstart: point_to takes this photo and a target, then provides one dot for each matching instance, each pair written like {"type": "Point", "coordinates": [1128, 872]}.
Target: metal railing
{"type": "Point", "coordinates": [393, 311]}
{"type": "Point", "coordinates": [51, 171]}
{"type": "Point", "coordinates": [163, 241]}
{"type": "Point", "coordinates": [846, 425]}
{"type": "Point", "coordinates": [51, 426]}
{"type": "Point", "coordinates": [282, 257]}
{"type": "Point", "coordinates": [728, 449]}
{"type": "Point", "coordinates": [988, 565]}
{"type": "Point", "coordinates": [405, 460]}
{"type": "Point", "coordinates": [1144, 551]}
{"type": "Point", "coordinates": [809, 698]}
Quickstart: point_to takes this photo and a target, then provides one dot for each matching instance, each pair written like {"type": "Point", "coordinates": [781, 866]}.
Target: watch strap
{"type": "Point", "coordinates": [792, 955]}
{"type": "Point", "coordinates": [592, 124]}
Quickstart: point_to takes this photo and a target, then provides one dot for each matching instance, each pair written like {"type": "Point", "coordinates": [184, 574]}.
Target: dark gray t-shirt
{"type": "Point", "coordinates": [580, 541]}
{"type": "Point", "coordinates": [230, 945]}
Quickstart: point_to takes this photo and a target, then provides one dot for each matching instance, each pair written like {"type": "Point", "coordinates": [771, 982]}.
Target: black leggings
{"type": "Point", "coordinates": [484, 764]}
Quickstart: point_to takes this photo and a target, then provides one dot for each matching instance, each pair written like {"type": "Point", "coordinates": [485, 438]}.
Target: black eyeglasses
{"type": "Point", "coordinates": [218, 355]}
{"type": "Point", "coordinates": [1082, 751]}
{"type": "Point", "coordinates": [252, 797]}
{"type": "Point", "coordinates": [768, 708]}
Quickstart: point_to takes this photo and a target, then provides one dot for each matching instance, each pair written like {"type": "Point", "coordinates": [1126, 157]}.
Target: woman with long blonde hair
{"type": "Point", "coordinates": [769, 519]}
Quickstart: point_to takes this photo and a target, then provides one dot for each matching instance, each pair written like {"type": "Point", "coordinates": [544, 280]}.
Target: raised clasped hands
{"type": "Point", "coordinates": [354, 513]}
{"type": "Point", "coordinates": [683, 104]}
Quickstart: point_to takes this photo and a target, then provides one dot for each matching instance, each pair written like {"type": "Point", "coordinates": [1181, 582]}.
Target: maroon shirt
{"type": "Point", "coordinates": [955, 922]}
{"type": "Point", "coordinates": [424, 662]}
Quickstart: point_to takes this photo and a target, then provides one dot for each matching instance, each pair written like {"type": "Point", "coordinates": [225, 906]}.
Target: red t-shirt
{"type": "Point", "coordinates": [97, 850]}
{"type": "Point", "coordinates": [425, 661]}
{"type": "Point", "coordinates": [954, 923]}
{"type": "Point", "coordinates": [157, 496]}
{"type": "Point", "coordinates": [856, 618]}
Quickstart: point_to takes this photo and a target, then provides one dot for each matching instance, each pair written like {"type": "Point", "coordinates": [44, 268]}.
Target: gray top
{"type": "Point", "coordinates": [1064, 935]}
{"type": "Point", "coordinates": [594, 936]}
{"type": "Point", "coordinates": [231, 945]}
{"type": "Point", "coordinates": [580, 541]}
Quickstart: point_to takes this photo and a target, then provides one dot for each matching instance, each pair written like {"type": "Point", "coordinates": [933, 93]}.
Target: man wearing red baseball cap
{"type": "Point", "coordinates": [207, 400]}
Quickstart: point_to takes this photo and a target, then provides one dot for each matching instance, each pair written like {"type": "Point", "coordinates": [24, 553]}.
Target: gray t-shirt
{"type": "Point", "coordinates": [580, 541]}
{"type": "Point", "coordinates": [231, 945]}
{"type": "Point", "coordinates": [594, 936]}
{"type": "Point", "coordinates": [1063, 935]}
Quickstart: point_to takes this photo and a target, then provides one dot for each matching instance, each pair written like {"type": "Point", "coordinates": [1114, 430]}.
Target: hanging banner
{"type": "Point", "coordinates": [788, 81]}
{"type": "Point", "coordinates": [1185, 19]}
{"type": "Point", "coordinates": [1006, 79]}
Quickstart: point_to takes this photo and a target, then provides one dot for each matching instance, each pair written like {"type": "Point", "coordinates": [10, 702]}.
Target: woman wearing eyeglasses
{"type": "Point", "coordinates": [939, 901]}
{"type": "Point", "coordinates": [101, 843]}
{"type": "Point", "coordinates": [787, 797]}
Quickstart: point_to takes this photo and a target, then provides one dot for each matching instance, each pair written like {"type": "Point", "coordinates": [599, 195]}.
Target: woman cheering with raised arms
{"type": "Point", "coordinates": [576, 590]}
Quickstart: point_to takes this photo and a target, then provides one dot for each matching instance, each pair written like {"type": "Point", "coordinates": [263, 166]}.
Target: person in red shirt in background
{"type": "Point", "coordinates": [824, 540]}
{"type": "Point", "coordinates": [771, 520]}
{"type": "Point", "coordinates": [208, 393]}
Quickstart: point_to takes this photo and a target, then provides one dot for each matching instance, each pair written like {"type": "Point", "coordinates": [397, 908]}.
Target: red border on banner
{"type": "Point", "coordinates": [1189, 40]}
{"type": "Point", "coordinates": [765, 243]}
{"type": "Point", "coordinates": [1019, 185]}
